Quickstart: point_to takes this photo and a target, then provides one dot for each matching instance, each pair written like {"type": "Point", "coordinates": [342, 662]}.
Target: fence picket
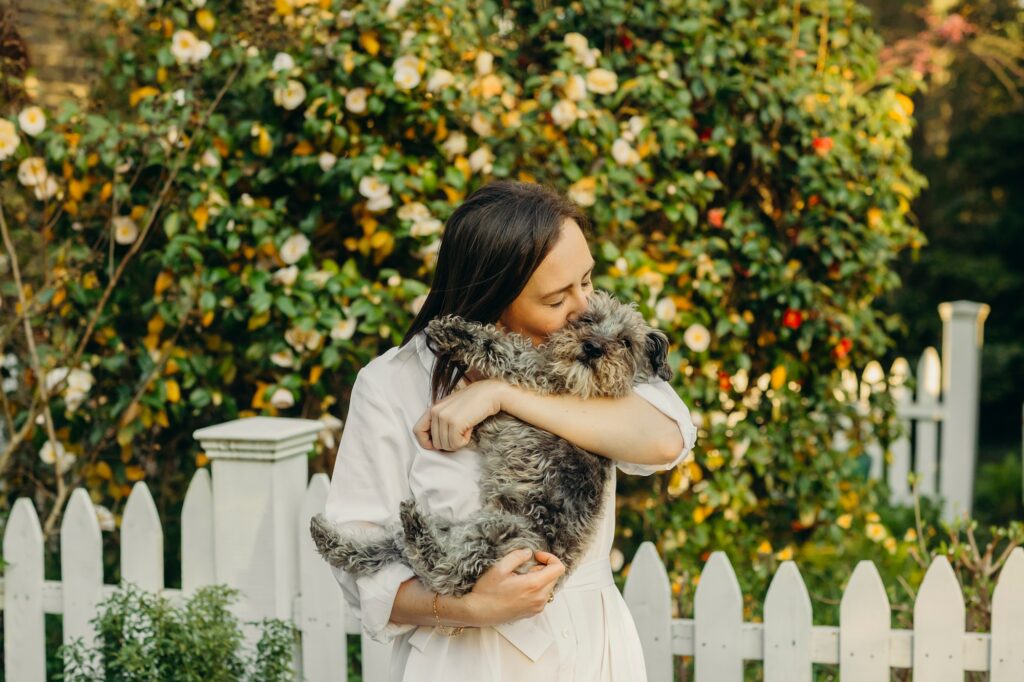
{"type": "Point", "coordinates": [1007, 658]}
{"type": "Point", "coordinates": [899, 467]}
{"type": "Point", "coordinates": [81, 567]}
{"type": "Point", "coordinates": [24, 630]}
{"type": "Point", "coordinates": [197, 567]}
{"type": "Point", "coordinates": [648, 596]}
{"type": "Point", "coordinates": [864, 627]}
{"type": "Point", "coordinates": [788, 627]}
{"type": "Point", "coordinates": [872, 381]}
{"type": "Point", "coordinates": [939, 620]}
{"type": "Point", "coordinates": [324, 650]}
{"type": "Point", "coordinates": [142, 541]}
{"type": "Point", "coordinates": [718, 615]}
{"type": "Point", "coordinates": [926, 446]}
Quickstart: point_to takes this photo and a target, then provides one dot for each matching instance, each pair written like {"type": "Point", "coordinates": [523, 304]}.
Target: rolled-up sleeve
{"type": "Point", "coordinates": [660, 393]}
{"type": "Point", "coordinates": [369, 482]}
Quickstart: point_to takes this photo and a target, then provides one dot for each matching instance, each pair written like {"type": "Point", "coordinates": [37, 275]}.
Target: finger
{"type": "Point", "coordinates": [545, 557]}
{"type": "Point", "coordinates": [422, 431]}
{"type": "Point", "coordinates": [435, 431]}
{"type": "Point", "coordinates": [512, 560]}
{"type": "Point", "coordinates": [546, 576]}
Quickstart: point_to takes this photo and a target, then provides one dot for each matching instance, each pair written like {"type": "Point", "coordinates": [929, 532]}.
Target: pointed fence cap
{"type": "Point", "coordinates": [259, 438]}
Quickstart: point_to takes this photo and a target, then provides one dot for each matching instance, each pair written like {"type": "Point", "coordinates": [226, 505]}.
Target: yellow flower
{"type": "Point", "coordinates": [910, 535]}
{"type": "Point", "coordinates": [602, 81]}
{"type": "Point", "coordinates": [785, 554]}
{"type": "Point", "coordinates": [778, 377]}
{"type": "Point", "coordinates": [875, 532]}
{"type": "Point", "coordinates": [583, 191]}
{"type": "Point", "coordinates": [764, 548]}
{"type": "Point", "coordinates": [890, 545]}
{"type": "Point", "coordinates": [845, 521]}
{"type": "Point", "coordinates": [872, 517]}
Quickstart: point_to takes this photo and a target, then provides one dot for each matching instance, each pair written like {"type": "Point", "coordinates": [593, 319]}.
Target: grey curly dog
{"type": "Point", "coordinates": [537, 490]}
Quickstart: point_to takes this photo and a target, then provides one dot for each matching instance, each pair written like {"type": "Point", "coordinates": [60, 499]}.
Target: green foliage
{"type": "Point", "coordinates": [252, 211]}
{"type": "Point", "coordinates": [140, 635]}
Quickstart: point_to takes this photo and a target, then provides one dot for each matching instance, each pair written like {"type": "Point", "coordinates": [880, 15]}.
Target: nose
{"type": "Point", "coordinates": [593, 350]}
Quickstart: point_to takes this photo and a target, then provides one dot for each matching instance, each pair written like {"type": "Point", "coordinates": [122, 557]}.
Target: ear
{"type": "Point", "coordinates": [657, 353]}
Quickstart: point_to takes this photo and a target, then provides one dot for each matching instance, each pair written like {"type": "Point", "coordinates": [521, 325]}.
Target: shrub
{"type": "Point", "coordinates": [140, 635]}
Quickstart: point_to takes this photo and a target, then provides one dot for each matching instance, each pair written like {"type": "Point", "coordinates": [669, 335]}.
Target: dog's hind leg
{"type": "Point", "coordinates": [357, 552]}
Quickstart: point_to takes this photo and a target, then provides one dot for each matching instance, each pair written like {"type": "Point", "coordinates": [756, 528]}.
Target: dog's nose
{"type": "Point", "coordinates": [592, 349]}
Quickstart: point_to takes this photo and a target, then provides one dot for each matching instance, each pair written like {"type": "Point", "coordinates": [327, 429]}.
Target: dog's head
{"type": "Point", "coordinates": [608, 349]}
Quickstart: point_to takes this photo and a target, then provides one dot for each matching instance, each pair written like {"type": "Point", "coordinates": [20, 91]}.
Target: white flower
{"type": "Point", "coordinates": [291, 95]}
{"type": "Point", "coordinates": [622, 265]}
{"type": "Point", "coordinates": [52, 453]}
{"type": "Point", "coordinates": [576, 88]}
{"type": "Point", "coordinates": [636, 124]}
{"type": "Point", "coordinates": [247, 200]}
{"type": "Point", "coordinates": [484, 63]}
{"type": "Point", "coordinates": [407, 61]}
{"type": "Point", "coordinates": [32, 121]}
{"type": "Point", "coordinates": [187, 49]}
{"type": "Point", "coordinates": [10, 360]}
{"type": "Point", "coordinates": [455, 144]}
{"type": "Point", "coordinates": [394, 7]}
{"type": "Point", "coordinates": [344, 329]}
{"type": "Point", "coordinates": [482, 159]}
{"type": "Point", "coordinates": [665, 309]}
{"type": "Point", "coordinates": [179, 97]}
{"type": "Point", "coordinates": [407, 78]}
{"type": "Point", "coordinates": [282, 358]}
{"type": "Point", "coordinates": [616, 558]}
{"type": "Point", "coordinates": [576, 41]}
{"type": "Point", "coordinates": [697, 338]}
{"type": "Point", "coordinates": [32, 171]}
{"type": "Point", "coordinates": [326, 161]}
{"type": "Point", "coordinates": [46, 189]}
{"type": "Point", "coordinates": [428, 254]}
{"type": "Point", "coordinates": [318, 277]}
{"type": "Point", "coordinates": [414, 211]}
{"type": "Point", "coordinates": [624, 154]}
{"type": "Point", "coordinates": [371, 187]}
{"type": "Point", "coordinates": [564, 113]}
{"type": "Point", "coordinates": [210, 160]}
{"type": "Point", "coordinates": [294, 248]}
{"type": "Point", "coordinates": [282, 399]}
{"type": "Point", "coordinates": [355, 100]}
{"type": "Point", "coordinates": [588, 58]}
{"type": "Point", "coordinates": [380, 204]}
{"type": "Point", "coordinates": [583, 191]}
{"type": "Point", "coordinates": [286, 276]}
{"type": "Point", "coordinates": [9, 139]}
{"type": "Point", "coordinates": [417, 303]}
{"type": "Point", "coordinates": [602, 81]}
{"type": "Point", "coordinates": [441, 78]}
{"type": "Point", "coordinates": [426, 227]}
{"type": "Point", "coordinates": [480, 125]}
{"type": "Point", "coordinates": [282, 62]}
{"type": "Point", "coordinates": [104, 518]}
{"type": "Point", "coordinates": [81, 379]}
{"type": "Point", "coordinates": [125, 229]}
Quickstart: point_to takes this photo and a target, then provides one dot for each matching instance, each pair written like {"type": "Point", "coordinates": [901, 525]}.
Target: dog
{"type": "Point", "coordinates": [538, 491]}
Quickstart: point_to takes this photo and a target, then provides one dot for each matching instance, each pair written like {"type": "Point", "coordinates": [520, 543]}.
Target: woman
{"type": "Point", "coordinates": [513, 254]}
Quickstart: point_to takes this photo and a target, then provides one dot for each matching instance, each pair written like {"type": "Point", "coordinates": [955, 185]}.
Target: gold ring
{"type": "Point", "coordinates": [551, 597]}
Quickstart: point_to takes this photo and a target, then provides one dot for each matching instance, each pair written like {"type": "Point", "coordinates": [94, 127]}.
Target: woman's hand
{"type": "Point", "coordinates": [501, 595]}
{"type": "Point", "coordinates": [448, 424]}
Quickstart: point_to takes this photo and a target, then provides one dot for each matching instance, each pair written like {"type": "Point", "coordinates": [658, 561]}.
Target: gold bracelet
{"type": "Point", "coordinates": [445, 629]}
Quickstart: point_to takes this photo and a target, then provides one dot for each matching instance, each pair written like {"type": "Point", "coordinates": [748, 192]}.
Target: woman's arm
{"type": "Point", "coordinates": [626, 429]}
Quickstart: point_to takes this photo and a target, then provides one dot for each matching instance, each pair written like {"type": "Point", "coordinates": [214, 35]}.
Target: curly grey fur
{"type": "Point", "coordinates": [537, 490]}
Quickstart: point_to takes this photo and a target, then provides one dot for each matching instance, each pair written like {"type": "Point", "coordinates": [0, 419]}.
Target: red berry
{"type": "Point", "coordinates": [792, 318]}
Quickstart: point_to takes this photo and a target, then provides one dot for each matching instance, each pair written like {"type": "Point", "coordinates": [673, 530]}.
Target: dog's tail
{"type": "Point", "coordinates": [360, 555]}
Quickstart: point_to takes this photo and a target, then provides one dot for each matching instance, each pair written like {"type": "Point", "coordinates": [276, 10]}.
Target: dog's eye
{"type": "Point", "coordinates": [626, 343]}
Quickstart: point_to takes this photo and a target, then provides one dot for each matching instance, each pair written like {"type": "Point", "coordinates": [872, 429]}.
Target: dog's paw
{"type": "Point", "coordinates": [452, 337]}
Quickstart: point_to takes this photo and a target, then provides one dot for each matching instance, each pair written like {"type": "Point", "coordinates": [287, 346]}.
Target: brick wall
{"type": "Point", "coordinates": [53, 31]}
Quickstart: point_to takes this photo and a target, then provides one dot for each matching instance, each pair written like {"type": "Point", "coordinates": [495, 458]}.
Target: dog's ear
{"type": "Point", "coordinates": [657, 353]}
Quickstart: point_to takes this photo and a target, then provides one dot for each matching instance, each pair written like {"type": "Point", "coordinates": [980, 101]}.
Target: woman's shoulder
{"type": "Point", "coordinates": [396, 367]}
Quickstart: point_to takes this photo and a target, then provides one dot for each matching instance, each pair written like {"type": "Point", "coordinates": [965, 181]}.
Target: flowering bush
{"type": "Point", "coordinates": [251, 210]}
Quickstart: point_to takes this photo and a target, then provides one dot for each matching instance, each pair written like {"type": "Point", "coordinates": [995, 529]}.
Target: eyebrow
{"type": "Point", "coordinates": [568, 286]}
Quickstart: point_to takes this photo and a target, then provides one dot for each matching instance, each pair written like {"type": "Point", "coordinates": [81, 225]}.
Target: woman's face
{"type": "Point", "coordinates": [557, 291]}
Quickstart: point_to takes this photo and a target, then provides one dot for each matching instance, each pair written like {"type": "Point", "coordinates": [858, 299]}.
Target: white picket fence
{"type": "Point", "coordinates": [940, 422]}
{"type": "Point", "coordinates": [863, 646]}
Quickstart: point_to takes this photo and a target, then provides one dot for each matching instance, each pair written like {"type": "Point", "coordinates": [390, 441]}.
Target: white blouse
{"type": "Point", "coordinates": [585, 634]}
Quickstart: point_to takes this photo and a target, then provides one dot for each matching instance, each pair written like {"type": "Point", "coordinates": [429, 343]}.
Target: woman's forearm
{"type": "Point", "coordinates": [414, 604]}
{"type": "Point", "coordinates": [627, 429]}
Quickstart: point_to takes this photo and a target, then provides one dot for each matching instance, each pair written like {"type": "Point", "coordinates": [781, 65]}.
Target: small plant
{"type": "Point", "coordinates": [142, 636]}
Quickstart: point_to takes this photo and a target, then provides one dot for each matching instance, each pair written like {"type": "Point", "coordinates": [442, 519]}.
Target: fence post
{"type": "Point", "coordinates": [259, 470]}
{"type": "Point", "coordinates": [962, 337]}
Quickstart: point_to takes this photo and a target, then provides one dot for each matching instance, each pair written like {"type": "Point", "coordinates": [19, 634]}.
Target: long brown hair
{"type": "Point", "coordinates": [492, 244]}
